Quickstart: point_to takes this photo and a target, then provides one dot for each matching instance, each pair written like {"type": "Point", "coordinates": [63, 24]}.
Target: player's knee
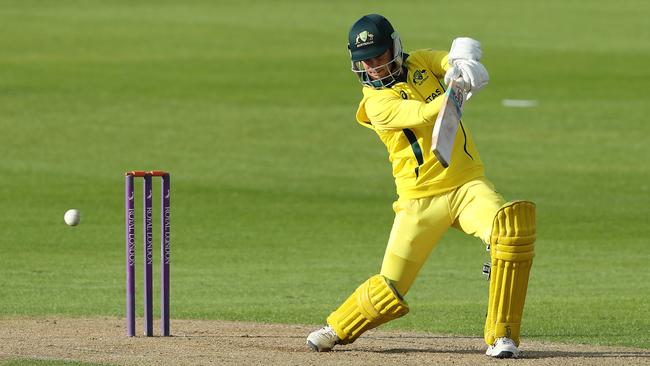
{"type": "Point", "coordinates": [513, 232]}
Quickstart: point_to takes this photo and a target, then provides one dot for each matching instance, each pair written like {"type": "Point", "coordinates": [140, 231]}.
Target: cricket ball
{"type": "Point", "coordinates": [72, 217]}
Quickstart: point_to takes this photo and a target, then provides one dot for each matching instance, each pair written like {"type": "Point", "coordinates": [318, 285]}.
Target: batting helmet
{"type": "Point", "coordinates": [371, 36]}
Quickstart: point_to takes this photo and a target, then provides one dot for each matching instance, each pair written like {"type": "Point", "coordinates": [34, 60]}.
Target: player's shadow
{"type": "Point", "coordinates": [416, 339]}
{"type": "Point", "coordinates": [532, 355]}
{"type": "Point", "coordinates": [427, 350]}
{"type": "Point", "coordinates": [525, 354]}
{"type": "Point", "coordinates": [528, 354]}
{"type": "Point", "coordinates": [585, 354]}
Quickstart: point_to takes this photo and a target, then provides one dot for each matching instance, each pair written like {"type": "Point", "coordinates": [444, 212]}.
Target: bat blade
{"type": "Point", "coordinates": [446, 126]}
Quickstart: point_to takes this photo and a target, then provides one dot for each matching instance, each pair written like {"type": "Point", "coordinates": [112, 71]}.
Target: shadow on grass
{"type": "Point", "coordinates": [585, 354]}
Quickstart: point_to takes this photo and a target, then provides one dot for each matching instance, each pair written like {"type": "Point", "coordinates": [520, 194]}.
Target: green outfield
{"type": "Point", "coordinates": [281, 203]}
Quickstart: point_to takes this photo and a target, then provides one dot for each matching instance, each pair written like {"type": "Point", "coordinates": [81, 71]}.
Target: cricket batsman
{"type": "Point", "coordinates": [402, 95]}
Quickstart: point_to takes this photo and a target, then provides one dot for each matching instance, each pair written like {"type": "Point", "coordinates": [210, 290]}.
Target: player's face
{"type": "Point", "coordinates": [377, 67]}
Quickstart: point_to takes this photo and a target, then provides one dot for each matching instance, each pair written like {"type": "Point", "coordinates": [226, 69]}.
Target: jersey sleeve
{"type": "Point", "coordinates": [437, 62]}
{"type": "Point", "coordinates": [388, 111]}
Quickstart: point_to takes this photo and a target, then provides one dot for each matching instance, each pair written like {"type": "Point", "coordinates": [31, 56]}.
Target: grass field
{"type": "Point", "coordinates": [281, 202]}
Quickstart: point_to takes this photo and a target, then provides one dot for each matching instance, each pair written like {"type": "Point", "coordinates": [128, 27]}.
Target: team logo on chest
{"type": "Point", "coordinates": [420, 76]}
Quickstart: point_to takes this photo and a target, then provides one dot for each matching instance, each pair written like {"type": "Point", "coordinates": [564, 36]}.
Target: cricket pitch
{"type": "Point", "coordinates": [199, 342]}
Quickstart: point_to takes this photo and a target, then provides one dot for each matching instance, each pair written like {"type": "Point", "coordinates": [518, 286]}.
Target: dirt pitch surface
{"type": "Point", "coordinates": [104, 341]}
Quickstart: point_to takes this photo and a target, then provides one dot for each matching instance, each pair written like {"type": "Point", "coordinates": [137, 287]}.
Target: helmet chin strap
{"type": "Point", "coordinates": [383, 82]}
{"type": "Point", "coordinates": [376, 83]}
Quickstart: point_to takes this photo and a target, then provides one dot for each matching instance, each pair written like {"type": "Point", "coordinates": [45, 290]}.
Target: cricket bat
{"type": "Point", "coordinates": [446, 126]}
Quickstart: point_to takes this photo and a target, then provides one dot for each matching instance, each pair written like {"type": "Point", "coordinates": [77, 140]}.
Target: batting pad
{"type": "Point", "coordinates": [512, 249]}
{"type": "Point", "coordinates": [373, 303]}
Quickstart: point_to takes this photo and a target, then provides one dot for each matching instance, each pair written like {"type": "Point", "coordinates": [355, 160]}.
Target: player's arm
{"type": "Point", "coordinates": [390, 112]}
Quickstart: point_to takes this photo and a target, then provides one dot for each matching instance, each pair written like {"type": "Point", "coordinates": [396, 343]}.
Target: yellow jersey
{"type": "Point", "coordinates": [403, 116]}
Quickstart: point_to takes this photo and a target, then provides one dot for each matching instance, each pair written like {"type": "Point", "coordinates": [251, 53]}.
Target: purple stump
{"type": "Point", "coordinates": [148, 256]}
{"type": "Point", "coordinates": [130, 256]}
{"type": "Point", "coordinates": [165, 255]}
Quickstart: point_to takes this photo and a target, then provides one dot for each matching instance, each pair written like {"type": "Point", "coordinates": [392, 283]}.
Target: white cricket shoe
{"type": "Point", "coordinates": [503, 348]}
{"type": "Point", "coordinates": [322, 340]}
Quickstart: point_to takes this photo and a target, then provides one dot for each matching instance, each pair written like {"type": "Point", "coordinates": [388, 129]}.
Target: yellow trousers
{"type": "Point", "coordinates": [420, 223]}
